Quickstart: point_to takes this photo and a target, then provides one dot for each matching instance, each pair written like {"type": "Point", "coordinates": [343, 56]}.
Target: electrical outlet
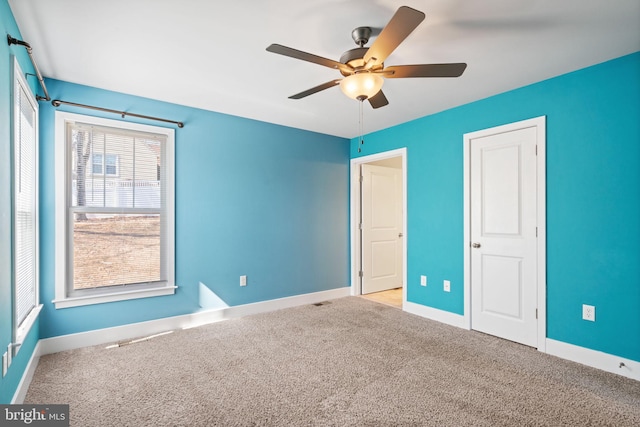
{"type": "Point", "coordinates": [589, 312]}
{"type": "Point", "coordinates": [243, 280]}
{"type": "Point", "coordinates": [423, 280]}
{"type": "Point", "coordinates": [447, 286]}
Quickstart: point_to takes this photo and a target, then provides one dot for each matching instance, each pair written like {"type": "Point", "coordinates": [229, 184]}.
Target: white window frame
{"type": "Point", "coordinates": [22, 329]}
{"type": "Point", "coordinates": [62, 196]}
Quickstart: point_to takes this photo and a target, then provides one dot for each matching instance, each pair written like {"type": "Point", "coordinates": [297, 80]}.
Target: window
{"type": "Point", "coordinates": [107, 164]}
{"type": "Point", "coordinates": [25, 207]}
{"type": "Point", "coordinates": [111, 164]}
{"type": "Point", "coordinates": [114, 210]}
{"type": "Point", "coordinates": [96, 164]}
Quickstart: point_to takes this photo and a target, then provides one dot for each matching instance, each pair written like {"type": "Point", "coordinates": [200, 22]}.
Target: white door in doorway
{"type": "Point", "coordinates": [503, 235]}
{"type": "Point", "coordinates": [381, 228]}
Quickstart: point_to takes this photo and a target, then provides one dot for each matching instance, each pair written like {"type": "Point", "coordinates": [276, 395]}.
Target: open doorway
{"type": "Point", "coordinates": [378, 227]}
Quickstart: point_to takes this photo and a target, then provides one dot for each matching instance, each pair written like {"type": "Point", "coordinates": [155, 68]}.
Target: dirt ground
{"type": "Point", "coordinates": [115, 251]}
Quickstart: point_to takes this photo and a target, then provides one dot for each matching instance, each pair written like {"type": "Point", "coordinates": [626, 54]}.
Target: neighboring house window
{"type": "Point", "coordinates": [25, 207]}
{"type": "Point", "coordinates": [104, 164]}
{"type": "Point", "coordinates": [111, 164]}
{"type": "Point", "coordinates": [114, 212]}
{"type": "Point", "coordinates": [96, 164]}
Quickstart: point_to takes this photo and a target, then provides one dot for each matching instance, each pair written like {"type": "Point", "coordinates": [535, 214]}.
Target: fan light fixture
{"type": "Point", "coordinates": [363, 67]}
{"type": "Point", "coordinates": [361, 86]}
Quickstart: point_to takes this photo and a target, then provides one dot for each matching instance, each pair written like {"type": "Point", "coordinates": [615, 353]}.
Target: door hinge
{"type": "Point", "coordinates": [536, 313]}
{"type": "Point", "coordinates": [361, 179]}
{"type": "Point", "coordinates": [536, 231]}
{"type": "Point", "coordinates": [536, 150]}
{"type": "Point", "coordinates": [360, 226]}
{"type": "Point", "coordinates": [360, 273]}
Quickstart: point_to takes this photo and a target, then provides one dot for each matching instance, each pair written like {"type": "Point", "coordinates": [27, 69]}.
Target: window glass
{"type": "Point", "coordinates": [115, 248]}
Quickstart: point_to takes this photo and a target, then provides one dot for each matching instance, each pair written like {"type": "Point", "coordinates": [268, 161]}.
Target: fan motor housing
{"type": "Point", "coordinates": [354, 57]}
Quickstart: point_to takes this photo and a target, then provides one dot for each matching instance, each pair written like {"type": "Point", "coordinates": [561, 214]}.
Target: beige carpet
{"type": "Point", "coordinates": [350, 362]}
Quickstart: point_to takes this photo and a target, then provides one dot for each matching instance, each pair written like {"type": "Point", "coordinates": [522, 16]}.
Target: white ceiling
{"type": "Point", "coordinates": [211, 54]}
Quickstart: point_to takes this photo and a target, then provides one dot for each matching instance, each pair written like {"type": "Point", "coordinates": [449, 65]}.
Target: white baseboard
{"type": "Point", "coordinates": [142, 329]}
{"type": "Point", "coordinates": [27, 376]}
{"type": "Point", "coordinates": [435, 314]}
{"type": "Point", "coordinates": [595, 359]}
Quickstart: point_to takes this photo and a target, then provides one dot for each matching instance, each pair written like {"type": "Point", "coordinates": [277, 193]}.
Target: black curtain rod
{"type": "Point", "coordinates": [10, 41]}
{"type": "Point", "coordinates": [57, 103]}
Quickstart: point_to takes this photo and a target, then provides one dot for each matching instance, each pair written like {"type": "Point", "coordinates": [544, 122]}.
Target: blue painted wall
{"type": "Point", "coordinates": [252, 198]}
{"type": "Point", "coordinates": [593, 199]}
{"type": "Point", "coordinates": [8, 25]}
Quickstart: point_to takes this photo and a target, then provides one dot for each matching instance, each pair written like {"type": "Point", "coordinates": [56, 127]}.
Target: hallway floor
{"type": "Point", "coordinates": [392, 297]}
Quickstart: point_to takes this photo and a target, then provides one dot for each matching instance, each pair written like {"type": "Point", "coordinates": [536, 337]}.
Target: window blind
{"type": "Point", "coordinates": [25, 238]}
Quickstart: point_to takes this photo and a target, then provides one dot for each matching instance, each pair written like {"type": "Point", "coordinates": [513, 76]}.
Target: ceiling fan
{"type": "Point", "coordinates": [363, 68]}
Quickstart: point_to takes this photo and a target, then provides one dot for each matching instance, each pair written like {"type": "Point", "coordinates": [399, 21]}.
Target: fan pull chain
{"type": "Point", "coordinates": [361, 126]}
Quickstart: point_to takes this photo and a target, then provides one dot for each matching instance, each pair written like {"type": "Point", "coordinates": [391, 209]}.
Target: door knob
{"type": "Point", "coordinates": [400, 234]}
{"type": "Point", "coordinates": [475, 245]}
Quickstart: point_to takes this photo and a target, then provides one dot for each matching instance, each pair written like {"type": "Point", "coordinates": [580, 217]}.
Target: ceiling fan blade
{"type": "Point", "coordinates": [425, 70]}
{"type": "Point", "coordinates": [378, 100]}
{"type": "Point", "coordinates": [403, 22]}
{"type": "Point", "coordinates": [298, 54]}
{"type": "Point", "coordinates": [316, 89]}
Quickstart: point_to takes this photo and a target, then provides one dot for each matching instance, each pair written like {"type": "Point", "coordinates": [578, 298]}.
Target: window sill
{"type": "Point", "coordinates": [25, 328]}
{"type": "Point", "coordinates": [113, 297]}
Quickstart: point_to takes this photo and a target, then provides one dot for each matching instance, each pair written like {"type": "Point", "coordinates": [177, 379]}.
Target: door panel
{"type": "Point", "coordinates": [502, 286]}
{"type": "Point", "coordinates": [503, 229]}
{"type": "Point", "coordinates": [501, 190]}
{"type": "Point", "coordinates": [383, 256]}
{"type": "Point", "coordinates": [381, 228]}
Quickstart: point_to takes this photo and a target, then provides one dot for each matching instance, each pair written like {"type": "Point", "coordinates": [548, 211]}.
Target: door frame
{"type": "Point", "coordinates": [541, 283]}
{"type": "Point", "coordinates": [356, 284]}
